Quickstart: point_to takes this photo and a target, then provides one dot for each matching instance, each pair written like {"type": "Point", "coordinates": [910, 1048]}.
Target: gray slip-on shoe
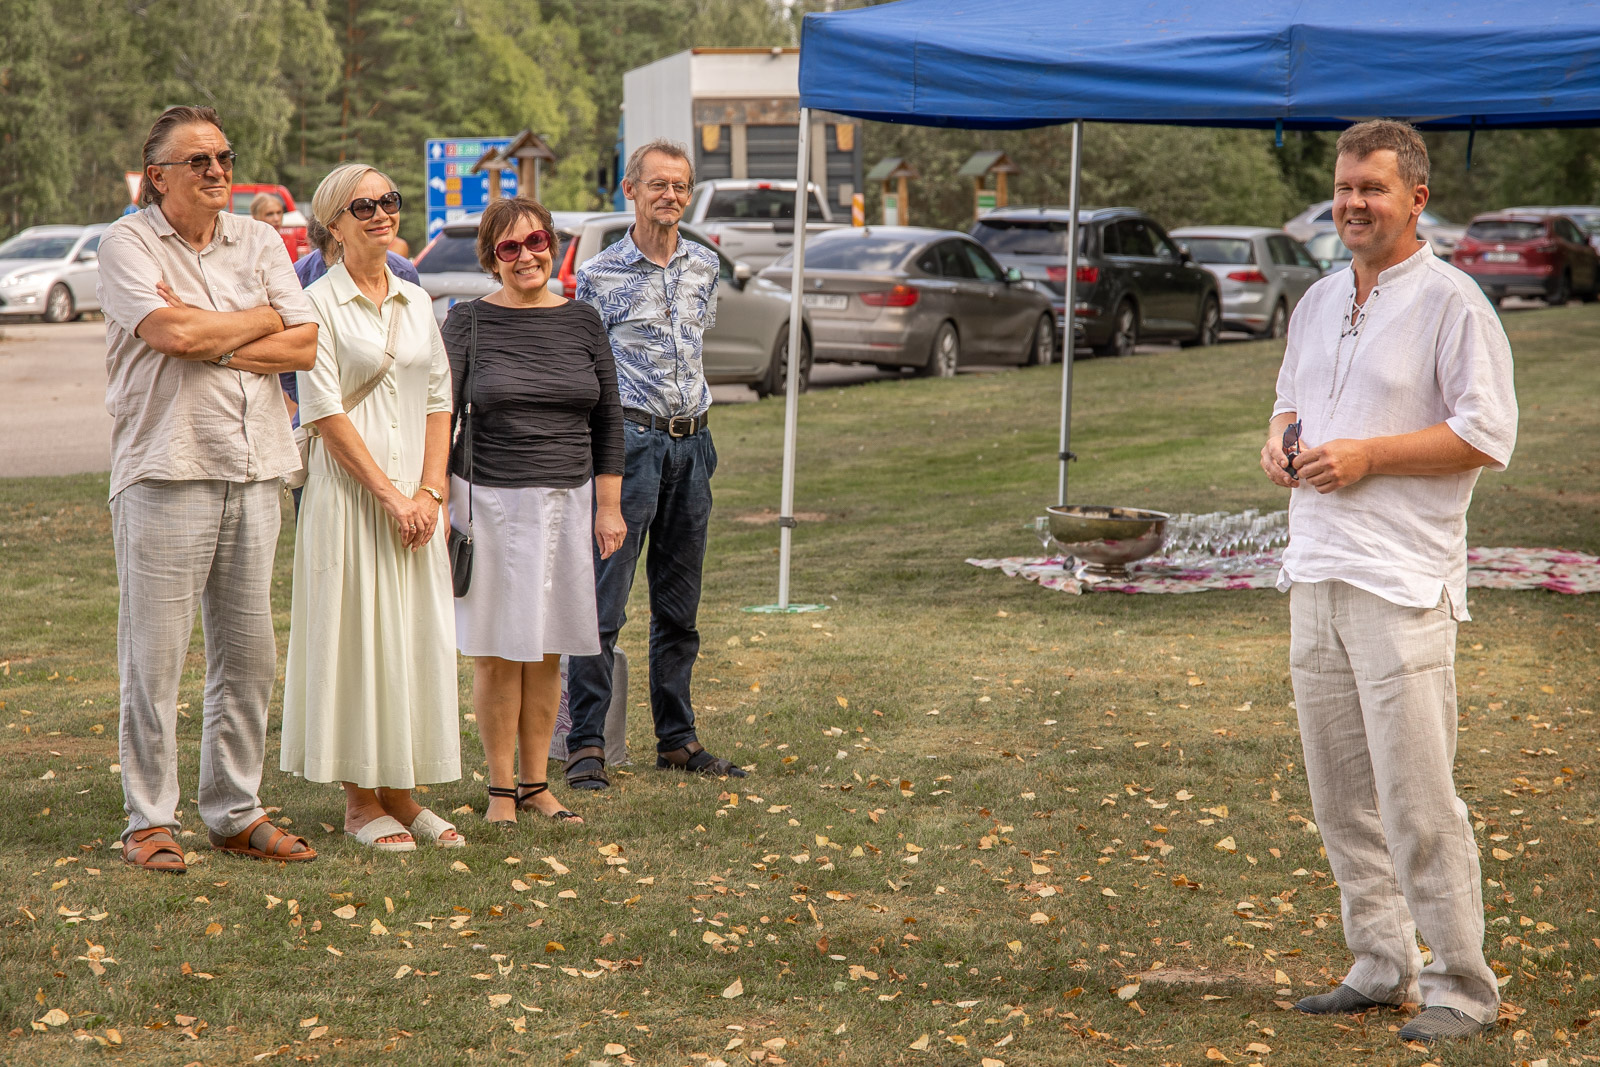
{"type": "Point", "coordinates": [1342, 1000]}
{"type": "Point", "coordinates": [1440, 1023]}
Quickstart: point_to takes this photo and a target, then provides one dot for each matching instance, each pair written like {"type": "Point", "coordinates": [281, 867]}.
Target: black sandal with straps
{"type": "Point", "coordinates": [495, 791]}
{"type": "Point", "coordinates": [526, 791]}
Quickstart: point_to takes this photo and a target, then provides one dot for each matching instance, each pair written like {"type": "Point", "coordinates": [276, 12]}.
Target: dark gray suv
{"type": "Point", "coordinates": [1134, 282]}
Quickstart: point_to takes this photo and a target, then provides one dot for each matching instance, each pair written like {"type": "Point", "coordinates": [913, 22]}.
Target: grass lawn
{"type": "Point", "coordinates": [989, 823]}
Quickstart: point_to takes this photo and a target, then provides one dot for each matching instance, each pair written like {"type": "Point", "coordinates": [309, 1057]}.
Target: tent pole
{"type": "Point", "coordinates": [1070, 317]}
{"type": "Point", "coordinates": [791, 400]}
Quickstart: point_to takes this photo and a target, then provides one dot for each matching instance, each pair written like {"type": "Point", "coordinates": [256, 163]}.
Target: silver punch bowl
{"type": "Point", "coordinates": [1107, 539]}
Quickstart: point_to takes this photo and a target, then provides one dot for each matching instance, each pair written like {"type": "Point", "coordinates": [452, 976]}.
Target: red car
{"type": "Point", "coordinates": [293, 228]}
{"type": "Point", "coordinates": [1513, 253]}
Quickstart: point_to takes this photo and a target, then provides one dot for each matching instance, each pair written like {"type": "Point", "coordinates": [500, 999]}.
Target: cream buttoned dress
{"type": "Point", "coordinates": [370, 689]}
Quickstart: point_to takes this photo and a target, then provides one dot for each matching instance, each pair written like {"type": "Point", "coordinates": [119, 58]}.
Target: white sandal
{"type": "Point", "coordinates": [383, 826]}
{"type": "Point", "coordinates": [429, 827]}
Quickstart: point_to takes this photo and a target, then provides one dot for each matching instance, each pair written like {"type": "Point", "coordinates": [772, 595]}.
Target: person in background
{"type": "Point", "coordinates": [1396, 390]}
{"type": "Point", "coordinates": [369, 695]}
{"type": "Point", "coordinates": [401, 247]}
{"type": "Point", "coordinates": [657, 295]}
{"type": "Point", "coordinates": [267, 208]}
{"type": "Point", "coordinates": [202, 311]}
{"type": "Point", "coordinates": [537, 473]}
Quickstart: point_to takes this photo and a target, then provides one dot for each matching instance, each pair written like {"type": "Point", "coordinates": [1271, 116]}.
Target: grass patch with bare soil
{"type": "Point", "coordinates": [988, 822]}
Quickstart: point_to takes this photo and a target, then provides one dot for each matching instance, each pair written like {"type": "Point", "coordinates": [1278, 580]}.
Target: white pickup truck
{"type": "Point", "coordinates": [752, 220]}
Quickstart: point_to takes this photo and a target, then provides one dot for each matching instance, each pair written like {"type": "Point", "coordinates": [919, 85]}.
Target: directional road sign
{"type": "Point", "coordinates": [453, 190]}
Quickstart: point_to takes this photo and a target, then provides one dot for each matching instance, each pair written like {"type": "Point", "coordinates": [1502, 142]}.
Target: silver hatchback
{"type": "Point", "coordinates": [1261, 273]}
{"type": "Point", "coordinates": [51, 271]}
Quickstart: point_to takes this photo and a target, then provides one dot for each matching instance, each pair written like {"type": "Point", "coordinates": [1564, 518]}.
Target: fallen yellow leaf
{"type": "Point", "coordinates": [736, 989]}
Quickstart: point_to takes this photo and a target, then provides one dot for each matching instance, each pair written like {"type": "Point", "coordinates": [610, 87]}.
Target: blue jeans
{"type": "Point", "coordinates": [666, 496]}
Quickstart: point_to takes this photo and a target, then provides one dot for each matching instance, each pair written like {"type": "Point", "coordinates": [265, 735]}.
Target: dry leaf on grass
{"type": "Point", "coordinates": [736, 989]}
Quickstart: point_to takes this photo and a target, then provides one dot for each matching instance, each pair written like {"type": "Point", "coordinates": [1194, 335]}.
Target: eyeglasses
{"type": "Point", "coordinates": [1291, 447]}
{"type": "Point", "coordinates": [660, 185]}
{"type": "Point", "coordinates": [511, 251]}
{"type": "Point", "coordinates": [363, 208]}
{"type": "Point", "coordinates": [201, 162]}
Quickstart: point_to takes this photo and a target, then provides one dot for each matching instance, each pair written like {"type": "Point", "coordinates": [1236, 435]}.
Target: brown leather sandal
{"type": "Point", "coordinates": [694, 759]}
{"type": "Point", "coordinates": [586, 768]}
{"type": "Point", "coordinates": [143, 847]}
{"type": "Point", "coordinates": [280, 846]}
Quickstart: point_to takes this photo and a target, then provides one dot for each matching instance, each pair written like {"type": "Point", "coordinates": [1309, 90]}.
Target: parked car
{"type": "Point", "coordinates": [753, 221]}
{"type": "Point", "coordinates": [1261, 273]}
{"type": "Point", "coordinates": [294, 222]}
{"type": "Point", "coordinates": [1512, 253]}
{"type": "Point", "coordinates": [905, 296]}
{"type": "Point", "coordinates": [1587, 218]}
{"type": "Point", "coordinates": [1133, 282]}
{"type": "Point", "coordinates": [1438, 232]}
{"type": "Point", "coordinates": [748, 345]}
{"type": "Point", "coordinates": [51, 271]}
{"type": "Point", "coordinates": [1329, 251]}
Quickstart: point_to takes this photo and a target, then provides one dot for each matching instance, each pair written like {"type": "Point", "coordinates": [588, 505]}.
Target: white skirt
{"type": "Point", "coordinates": [532, 591]}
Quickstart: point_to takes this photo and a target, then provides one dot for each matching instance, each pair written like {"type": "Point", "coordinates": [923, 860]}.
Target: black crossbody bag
{"type": "Point", "coordinates": [460, 544]}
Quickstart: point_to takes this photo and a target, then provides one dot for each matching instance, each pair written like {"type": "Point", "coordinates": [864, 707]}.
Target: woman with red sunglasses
{"type": "Point", "coordinates": [536, 472]}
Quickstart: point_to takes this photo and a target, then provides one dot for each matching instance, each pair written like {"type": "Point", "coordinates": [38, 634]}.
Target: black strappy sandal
{"type": "Point", "coordinates": [529, 790]}
{"type": "Point", "coordinates": [497, 792]}
{"type": "Point", "coordinates": [694, 759]}
{"type": "Point", "coordinates": [586, 768]}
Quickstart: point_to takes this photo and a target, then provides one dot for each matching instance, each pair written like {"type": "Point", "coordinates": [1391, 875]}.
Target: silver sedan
{"type": "Point", "coordinates": [1261, 273]}
{"type": "Point", "coordinates": [905, 296]}
{"type": "Point", "coordinates": [51, 271]}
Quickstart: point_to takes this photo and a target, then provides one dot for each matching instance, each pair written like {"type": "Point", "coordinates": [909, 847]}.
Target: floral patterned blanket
{"type": "Point", "coordinates": [1487, 568]}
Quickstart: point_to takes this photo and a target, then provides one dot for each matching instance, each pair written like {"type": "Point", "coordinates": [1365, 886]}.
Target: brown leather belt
{"type": "Point", "coordinates": [675, 426]}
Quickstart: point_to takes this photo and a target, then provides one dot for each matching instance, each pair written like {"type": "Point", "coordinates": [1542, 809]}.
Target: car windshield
{"type": "Point", "coordinates": [1505, 230]}
{"type": "Point", "coordinates": [1588, 223]}
{"type": "Point", "coordinates": [1220, 249]}
{"type": "Point", "coordinates": [758, 204]}
{"type": "Point", "coordinates": [1428, 218]}
{"type": "Point", "coordinates": [1027, 237]}
{"type": "Point", "coordinates": [1327, 246]}
{"type": "Point", "coordinates": [38, 246]}
{"type": "Point", "coordinates": [451, 252]}
{"type": "Point", "coordinates": [856, 251]}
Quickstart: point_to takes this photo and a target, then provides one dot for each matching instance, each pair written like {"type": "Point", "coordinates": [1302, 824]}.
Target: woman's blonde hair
{"type": "Point", "coordinates": [263, 203]}
{"type": "Point", "coordinates": [331, 198]}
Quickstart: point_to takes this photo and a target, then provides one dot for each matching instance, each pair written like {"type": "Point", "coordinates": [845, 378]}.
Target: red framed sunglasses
{"type": "Point", "coordinates": [537, 241]}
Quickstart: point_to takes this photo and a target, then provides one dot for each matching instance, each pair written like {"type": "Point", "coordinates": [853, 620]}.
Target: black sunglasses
{"type": "Point", "coordinates": [511, 251]}
{"type": "Point", "coordinates": [363, 208]}
{"type": "Point", "coordinates": [201, 162]}
{"type": "Point", "coordinates": [1291, 447]}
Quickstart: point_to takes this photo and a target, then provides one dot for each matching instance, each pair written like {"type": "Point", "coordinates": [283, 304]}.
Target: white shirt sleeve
{"type": "Point", "coordinates": [1476, 382]}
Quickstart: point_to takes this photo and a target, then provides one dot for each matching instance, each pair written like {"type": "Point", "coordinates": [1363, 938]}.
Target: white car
{"type": "Point", "coordinates": [1442, 234]}
{"type": "Point", "coordinates": [51, 272]}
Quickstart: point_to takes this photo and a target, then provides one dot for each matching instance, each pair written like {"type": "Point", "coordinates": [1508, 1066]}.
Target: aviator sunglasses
{"type": "Point", "coordinates": [537, 241]}
{"type": "Point", "coordinates": [1291, 447]}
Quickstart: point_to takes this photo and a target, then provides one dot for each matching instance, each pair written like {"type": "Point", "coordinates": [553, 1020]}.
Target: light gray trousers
{"type": "Point", "coordinates": [182, 545]}
{"type": "Point", "coordinates": [1375, 689]}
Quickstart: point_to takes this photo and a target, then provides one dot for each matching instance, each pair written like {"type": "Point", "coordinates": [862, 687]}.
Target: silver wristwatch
{"type": "Point", "coordinates": [224, 359]}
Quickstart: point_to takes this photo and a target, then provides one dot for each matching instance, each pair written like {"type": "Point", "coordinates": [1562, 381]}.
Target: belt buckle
{"type": "Point", "coordinates": [687, 421]}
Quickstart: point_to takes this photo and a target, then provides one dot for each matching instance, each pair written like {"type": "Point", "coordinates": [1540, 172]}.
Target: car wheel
{"type": "Point", "coordinates": [1124, 332]}
{"type": "Point", "coordinates": [1042, 349]}
{"type": "Point", "coordinates": [1562, 292]}
{"type": "Point", "coordinates": [945, 356]}
{"type": "Point", "coordinates": [1210, 326]}
{"type": "Point", "coordinates": [777, 377]}
{"type": "Point", "coordinates": [58, 305]}
{"type": "Point", "coordinates": [1278, 325]}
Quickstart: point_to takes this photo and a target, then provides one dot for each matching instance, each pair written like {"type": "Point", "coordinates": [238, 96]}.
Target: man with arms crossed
{"type": "Point", "coordinates": [657, 294]}
{"type": "Point", "coordinates": [1395, 389]}
{"type": "Point", "coordinates": [202, 312]}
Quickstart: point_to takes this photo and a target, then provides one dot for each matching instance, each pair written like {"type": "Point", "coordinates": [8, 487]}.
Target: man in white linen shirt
{"type": "Point", "coordinates": [202, 311]}
{"type": "Point", "coordinates": [1396, 388]}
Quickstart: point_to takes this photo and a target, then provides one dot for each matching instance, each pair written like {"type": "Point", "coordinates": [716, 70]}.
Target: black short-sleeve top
{"type": "Point", "coordinates": [543, 386]}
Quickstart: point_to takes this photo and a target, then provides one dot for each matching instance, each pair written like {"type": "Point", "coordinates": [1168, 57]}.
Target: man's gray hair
{"type": "Point", "coordinates": [635, 171]}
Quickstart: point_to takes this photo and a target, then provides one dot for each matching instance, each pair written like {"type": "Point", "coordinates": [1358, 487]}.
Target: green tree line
{"type": "Point", "coordinates": [305, 84]}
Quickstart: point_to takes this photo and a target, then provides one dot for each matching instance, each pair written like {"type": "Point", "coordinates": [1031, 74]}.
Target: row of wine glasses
{"type": "Point", "coordinates": [1228, 537]}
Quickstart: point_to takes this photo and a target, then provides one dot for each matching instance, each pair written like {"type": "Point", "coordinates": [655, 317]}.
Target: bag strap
{"type": "Point", "coordinates": [464, 424]}
{"type": "Point", "coordinates": [355, 398]}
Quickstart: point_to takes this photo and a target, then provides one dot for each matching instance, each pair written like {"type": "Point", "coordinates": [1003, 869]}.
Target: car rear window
{"type": "Point", "coordinates": [1027, 237]}
{"type": "Point", "coordinates": [738, 205]}
{"type": "Point", "coordinates": [1505, 230]}
{"type": "Point", "coordinates": [1220, 249]}
{"type": "Point", "coordinates": [37, 247]}
{"type": "Point", "coordinates": [853, 252]}
{"type": "Point", "coordinates": [450, 253]}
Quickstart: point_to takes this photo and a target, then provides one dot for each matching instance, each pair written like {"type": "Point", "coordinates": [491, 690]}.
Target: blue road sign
{"type": "Point", "coordinates": [453, 190]}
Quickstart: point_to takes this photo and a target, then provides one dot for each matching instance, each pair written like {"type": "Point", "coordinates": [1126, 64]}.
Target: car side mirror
{"type": "Point", "coordinates": [1326, 263]}
{"type": "Point", "coordinates": [1184, 254]}
{"type": "Point", "coordinates": [742, 273]}
{"type": "Point", "coordinates": [1013, 276]}
{"type": "Point", "coordinates": [88, 257]}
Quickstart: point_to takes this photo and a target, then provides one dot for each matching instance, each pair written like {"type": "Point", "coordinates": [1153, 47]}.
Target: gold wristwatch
{"type": "Point", "coordinates": [438, 497]}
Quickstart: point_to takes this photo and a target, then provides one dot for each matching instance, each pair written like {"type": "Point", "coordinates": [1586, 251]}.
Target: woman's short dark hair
{"type": "Point", "coordinates": [498, 219]}
{"type": "Point", "coordinates": [155, 146]}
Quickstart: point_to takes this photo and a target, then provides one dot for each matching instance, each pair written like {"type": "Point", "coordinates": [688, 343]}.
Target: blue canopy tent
{"type": "Point", "coordinates": [1284, 64]}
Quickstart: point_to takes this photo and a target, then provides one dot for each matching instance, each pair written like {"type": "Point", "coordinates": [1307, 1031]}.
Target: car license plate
{"type": "Point", "coordinates": [1501, 257]}
{"type": "Point", "coordinates": [825, 301]}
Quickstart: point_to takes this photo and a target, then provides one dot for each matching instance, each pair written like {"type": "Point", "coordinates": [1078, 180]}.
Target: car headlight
{"type": "Point", "coordinates": [26, 278]}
